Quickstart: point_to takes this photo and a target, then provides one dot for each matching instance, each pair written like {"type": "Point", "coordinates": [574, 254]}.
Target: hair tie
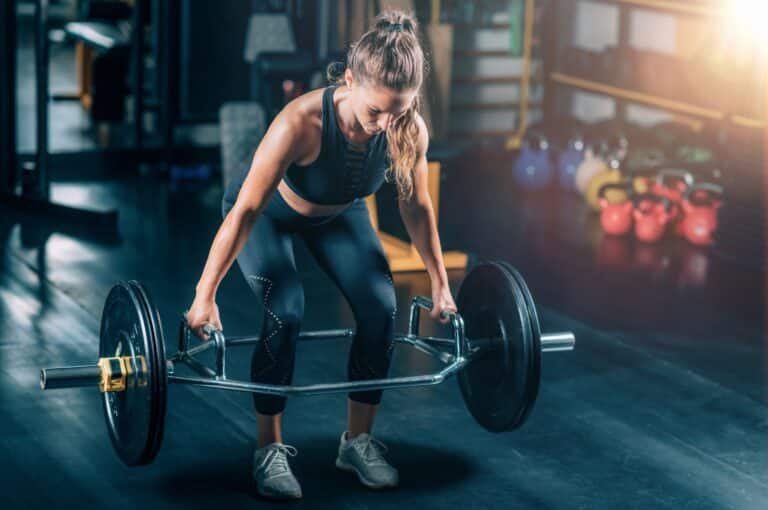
{"type": "Point", "coordinates": [395, 27]}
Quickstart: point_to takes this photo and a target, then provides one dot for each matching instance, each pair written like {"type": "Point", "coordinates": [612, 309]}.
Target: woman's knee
{"type": "Point", "coordinates": [283, 306]}
{"type": "Point", "coordinates": [379, 310]}
{"type": "Point", "coordinates": [283, 299]}
{"type": "Point", "coordinates": [371, 349]}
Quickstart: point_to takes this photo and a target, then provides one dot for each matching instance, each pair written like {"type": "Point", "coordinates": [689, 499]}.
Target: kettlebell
{"type": "Point", "coordinates": [672, 184]}
{"type": "Point", "coordinates": [700, 206]}
{"type": "Point", "coordinates": [611, 175]}
{"type": "Point", "coordinates": [615, 216]}
{"type": "Point", "coordinates": [694, 154]}
{"type": "Point", "coordinates": [592, 164]}
{"type": "Point", "coordinates": [533, 168]}
{"type": "Point", "coordinates": [642, 180]}
{"type": "Point", "coordinates": [651, 214]}
{"type": "Point", "coordinates": [568, 162]}
{"type": "Point", "coordinates": [618, 147]}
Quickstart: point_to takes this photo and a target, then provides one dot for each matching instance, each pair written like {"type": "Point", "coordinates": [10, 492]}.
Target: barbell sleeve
{"type": "Point", "coordinates": [70, 377]}
{"type": "Point", "coordinates": [561, 341]}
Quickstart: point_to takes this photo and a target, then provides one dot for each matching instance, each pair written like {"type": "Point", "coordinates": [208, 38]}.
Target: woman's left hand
{"type": "Point", "coordinates": [442, 300]}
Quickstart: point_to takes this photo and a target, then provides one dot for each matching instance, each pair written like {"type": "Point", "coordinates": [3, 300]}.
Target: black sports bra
{"type": "Point", "coordinates": [344, 170]}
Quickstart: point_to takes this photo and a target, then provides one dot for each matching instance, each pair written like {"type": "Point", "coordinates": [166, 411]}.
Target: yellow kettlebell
{"type": "Point", "coordinates": [611, 175]}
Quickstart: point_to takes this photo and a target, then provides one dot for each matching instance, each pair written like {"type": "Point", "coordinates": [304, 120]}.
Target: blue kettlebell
{"type": "Point", "coordinates": [533, 169]}
{"type": "Point", "coordinates": [568, 162]}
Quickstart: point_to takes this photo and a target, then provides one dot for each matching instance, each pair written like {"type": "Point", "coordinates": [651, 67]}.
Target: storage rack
{"type": "Point", "coordinates": [563, 12]}
{"type": "Point", "coordinates": [741, 235]}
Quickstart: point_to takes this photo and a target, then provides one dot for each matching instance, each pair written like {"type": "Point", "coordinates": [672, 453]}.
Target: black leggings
{"type": "Point", "coordinates": [347, 248]}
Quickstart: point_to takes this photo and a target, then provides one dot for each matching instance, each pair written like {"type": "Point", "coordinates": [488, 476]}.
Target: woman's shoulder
{"type": "Point", "coordinates": [303, 116]}
{"type": "Point", "coordinates": [307, 109]}
{"type": "Point", "coordinates": [302, 120]}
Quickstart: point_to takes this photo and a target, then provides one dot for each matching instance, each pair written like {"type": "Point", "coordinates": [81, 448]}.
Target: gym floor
{"type": "Point", "coordinates": [661, 405]}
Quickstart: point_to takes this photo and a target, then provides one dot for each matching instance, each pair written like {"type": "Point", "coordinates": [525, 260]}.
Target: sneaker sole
{"type": "Point", "coordinates": [352, 469]}
{"type": "Point", "coordinates": [277, 495]}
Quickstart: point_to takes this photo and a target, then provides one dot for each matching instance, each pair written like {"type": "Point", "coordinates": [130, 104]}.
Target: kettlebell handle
{"type": "Point", "coordinates": [681, 174]}
{"type": "Point", "coordinates": [623, 186]}
{"type": "Point", "coordinates": [636, 199]}
{"type": "Point", "coordinates": [709, 187]}
{"type": "Point", "coordinates": [537, 141]}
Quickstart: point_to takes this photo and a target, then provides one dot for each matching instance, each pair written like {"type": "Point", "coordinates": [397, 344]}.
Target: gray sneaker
{"type": "Point", "coordinates": [364, 455]}
{"type": "Point", "coordinates": [272, 473]}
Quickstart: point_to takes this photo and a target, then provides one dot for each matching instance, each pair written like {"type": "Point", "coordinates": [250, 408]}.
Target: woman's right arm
{"type": "Point", "coordinates": [280, 146]}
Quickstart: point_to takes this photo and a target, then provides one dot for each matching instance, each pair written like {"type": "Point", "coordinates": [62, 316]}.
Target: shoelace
{"type": "Point", "coordinates": [276, 462]}
{"type": "Point", "coordinates": [372, 450]}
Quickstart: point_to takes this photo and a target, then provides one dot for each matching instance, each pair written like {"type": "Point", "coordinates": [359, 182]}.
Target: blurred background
{"type": "Point", "coordinates": [612, 150]}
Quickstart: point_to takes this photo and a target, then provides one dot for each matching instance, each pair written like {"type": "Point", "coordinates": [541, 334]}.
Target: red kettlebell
{"type": "Point", "coordinates": [672, 183]}
{"type": "Point", "coordinates": [700, 208]}
{"type": "Point", "coordinates": [651, 213]}
{"type": "Point", "coordinates": [615, 217]}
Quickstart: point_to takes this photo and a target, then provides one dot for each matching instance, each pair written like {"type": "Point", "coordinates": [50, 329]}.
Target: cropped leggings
{"type": "Point", "coordinates": [347, 248]}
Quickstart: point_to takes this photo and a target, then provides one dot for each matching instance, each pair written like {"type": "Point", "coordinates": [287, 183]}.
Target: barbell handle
{"type": "Point", "coordinates": [217, 337]}
{"type": "Point", "coordinates": [428, 304]}
{"type": "Point", "coordinates": [70, 377]}
{"type": "Point", "coordinates": [456, 320]}
{"type": "Point", "coordinates": [560, 341]}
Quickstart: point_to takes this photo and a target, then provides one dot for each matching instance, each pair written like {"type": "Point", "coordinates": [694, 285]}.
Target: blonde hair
{"type": "Point", "coordinates": [390, 55]}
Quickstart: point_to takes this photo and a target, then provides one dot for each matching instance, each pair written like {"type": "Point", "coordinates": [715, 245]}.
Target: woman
{"type": "Point", "coordinates": [322, 154]}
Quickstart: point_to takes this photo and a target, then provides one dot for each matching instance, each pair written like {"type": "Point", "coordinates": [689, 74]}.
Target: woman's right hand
{"type": "Point", "coordinates": [202, 312]}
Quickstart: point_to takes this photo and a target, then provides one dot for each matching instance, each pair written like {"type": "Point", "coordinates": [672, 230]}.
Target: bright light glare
{"type": "Point", "coordinates": [749, 17]}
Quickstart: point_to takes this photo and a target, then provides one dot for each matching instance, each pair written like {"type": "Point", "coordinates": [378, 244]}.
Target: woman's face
{"type": "Point", "coordinates": [377, 108]}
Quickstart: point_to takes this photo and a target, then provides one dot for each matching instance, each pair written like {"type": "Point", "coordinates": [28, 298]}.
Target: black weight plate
{"type": "Point", "coordinates": [162, 373]}
{"type": "Point", "coordinates": [533, 314]}
{"type": "Point", "coordinates": [499, 386]}
{"type": "Point", "coordinates": [133, 415]}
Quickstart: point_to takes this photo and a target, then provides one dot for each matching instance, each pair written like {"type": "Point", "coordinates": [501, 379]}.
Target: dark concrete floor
{"type": "Point", "coordinates": [662, 405]}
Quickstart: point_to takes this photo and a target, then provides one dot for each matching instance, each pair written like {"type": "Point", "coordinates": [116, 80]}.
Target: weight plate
{"type": "Point", "coordinates": [500, 384]}
{"type": "Point", "coordinates": [130, 327]}
{"type": "Point", "coordinates": [162, 372]}
{"type": "Point", "coordinates": [533, 315]}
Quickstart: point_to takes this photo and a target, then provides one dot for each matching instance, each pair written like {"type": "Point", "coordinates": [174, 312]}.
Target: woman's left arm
{"type": "Point", "coordinates": [421, 224]}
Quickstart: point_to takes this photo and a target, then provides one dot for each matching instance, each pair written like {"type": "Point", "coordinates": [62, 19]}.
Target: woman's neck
{"type": "Point", "coordinates": [347, 122]}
